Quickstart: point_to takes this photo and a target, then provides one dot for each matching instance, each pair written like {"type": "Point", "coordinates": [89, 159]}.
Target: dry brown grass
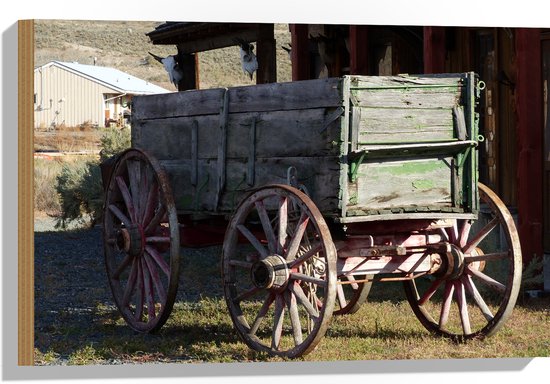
{"type": "Point", "coordinates": [125, 46]}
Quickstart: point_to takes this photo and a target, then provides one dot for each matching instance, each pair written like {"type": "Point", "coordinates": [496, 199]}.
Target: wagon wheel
{"type": "Point", "coordinates": [481, 273]}
{"type": "Point", "coordinates": [280, 285]}
{"type": "Point", "coordinates": [351, 293]}
{"type": "Point", "coordinates": [141, 241]}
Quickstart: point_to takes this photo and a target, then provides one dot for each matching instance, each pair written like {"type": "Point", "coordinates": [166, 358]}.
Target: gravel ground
{"type": "Point", "coordinates": [71, 284]}
{"type": "Point", "coordinates": [69, 280]}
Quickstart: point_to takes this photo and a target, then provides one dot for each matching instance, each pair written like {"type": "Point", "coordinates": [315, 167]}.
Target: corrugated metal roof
{"type": "Point", "coordinates": [113, 78]}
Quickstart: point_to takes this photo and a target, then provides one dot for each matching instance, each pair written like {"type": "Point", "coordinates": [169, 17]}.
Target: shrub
{"type": "Point", "coordinates": [114, 141]}
{"type": "Point", "coordinates": [45, 178]}
{"type": "Point", "coordinates": [79, 185]}
{"type": "Point", "coordinates": [80, 193]}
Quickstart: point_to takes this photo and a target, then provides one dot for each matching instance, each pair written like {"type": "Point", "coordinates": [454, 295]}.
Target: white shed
{"type": "Point", "coordinates": [74, 94]}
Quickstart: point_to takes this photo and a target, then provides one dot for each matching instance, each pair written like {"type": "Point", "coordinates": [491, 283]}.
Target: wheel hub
{"type": "Point", "coordinates": [131, 240]}
{"type": "Point", "coordinates": [454, 262]}
{"type": "Point", "coordinates": [270, 273]}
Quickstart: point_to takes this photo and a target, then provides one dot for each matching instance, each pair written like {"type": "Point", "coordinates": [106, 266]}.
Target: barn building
{"type": "Point", "coordinates": [74, 94]}
{"type": "Point", "coordinates": [514, 64]}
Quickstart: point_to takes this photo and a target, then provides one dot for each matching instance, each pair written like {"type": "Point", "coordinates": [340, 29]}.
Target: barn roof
{"type": "Point", "coordinates": [110, 77]}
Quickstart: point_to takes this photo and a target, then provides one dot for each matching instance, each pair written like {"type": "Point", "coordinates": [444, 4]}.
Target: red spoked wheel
{"type": "Point", "coordinates": [280, 285]}
{"type": "Point", "coordinates": [351, 293]}
{"type": "Point", "coordinates": [141, 241]}
{"type": "Point", "coordinates": [475, 290]}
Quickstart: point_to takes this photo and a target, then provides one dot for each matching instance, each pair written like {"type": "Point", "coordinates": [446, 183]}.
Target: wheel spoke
{"type": "Point", "coordinates": [453, 232]}
{"type": "Point", "coordinates": [465, 233]}
{"type": "Point", "coordinates": [468, 248]}
{"type": "Point", "coordinates": [278, 318]}
{"type": "Point", "coordinates": [123, 265]}
{"type": "Point", "coordinates": [489, 281]}
{"type": "Point", "coordinates": [266, 225]}
{"type": "Point", "coordinates": [353, 284]}
{"type": "Point", "coordinates": [246, 294]}
{"type": "Point", "coordinates": [145, 190]}
{"type": "Point", "coordinates": [462, 307]}
{"type": "Point", "coordinates": [472, 290]}
{"type": "Point", "coordinates": [261, 314]}
{"type": "Point", "coordinates": [302, 299]}
{"type": "Point", "coordinates": [155, 221]}
{"type": "Point", "coordinates": [157, 239]}
{"type": "Point", "coordinates": [148, 290]}
{"type": "Point", "coordinates": [294, 317]}
{"type": "Point", "coordinates": [139, 292]}
{"type": "Point", "coordinates": [158, 259]}
{"type": "Point", "coordinates": [446, 307]}
{"type": "Point", "coordinates": [127, 198]}
{"type": "Point", "coordinates": [306, 256]}
{"type": "Point", "coordinates": [297, 237]}
{"type": "Point", "coordinates": [118, 213]}
{"type": "Point", "coordinates": [487, 257]}
{"type": "Point", "coordinates": [130, 285]}
{"type": "Point", "coordinates": [308, 279]}
{"type": "Point", "coordinates": [340, 295]}
{"type": "Point", "coordinates": [150, 204]}
{"type": "Point", "coordinates": [153, 271]}
{"type": "Point", "coordinates": [253, 240]}
{"type": "Point", "coordinates": [283, 222]}
{"type": "Point", "coordinates": [430, 292]}
{"type": "Point", "coordinates": [134, 175]}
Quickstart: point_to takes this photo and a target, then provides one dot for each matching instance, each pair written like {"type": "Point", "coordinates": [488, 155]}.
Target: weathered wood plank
{"type": "Point", "coordinates": [278, 133]}
{"type": "Point", "coordinates": [445, 80]}
{"type": "Point", "coordinates": [381, 125]}
{"type": "Point", "coordinates": [406, 183]}
{"type": "Point", "coordinates": [185, 103]}
{"type": "Point", "coordinates": [305, 94]}
{"type": "Point", "coordinates": [414, 98]}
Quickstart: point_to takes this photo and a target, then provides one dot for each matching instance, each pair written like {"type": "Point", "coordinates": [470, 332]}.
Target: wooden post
{"type": "Point", "coordinates": [189, 64]}
{"type": "Point", "coordinates": [434, 49]}
{"type": "Point", "coordinates": [25, 185]}
{"type": "Point", "coordinates": [358, 45]}
{"type": "Point", "coordinates": [530, 126]}
{"type": "Point", "coordinates": [300, 52]}
{"type": "Point", "coordinates": [266, 54]}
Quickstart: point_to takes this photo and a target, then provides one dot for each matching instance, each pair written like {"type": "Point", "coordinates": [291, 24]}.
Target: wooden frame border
{"type": "Point", "coordinates": [25, 236]}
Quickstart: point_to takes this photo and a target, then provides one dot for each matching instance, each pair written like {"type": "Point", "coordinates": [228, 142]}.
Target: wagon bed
{"type": "Point", "coordinates": [365, 147]}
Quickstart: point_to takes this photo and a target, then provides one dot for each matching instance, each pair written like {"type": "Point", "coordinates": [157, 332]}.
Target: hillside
{"type": "Point", "coordinates": [124, 45]}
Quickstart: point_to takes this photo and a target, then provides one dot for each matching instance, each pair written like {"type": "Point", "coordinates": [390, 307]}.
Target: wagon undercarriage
{"type": "Point", "coordinates": [374, 207]}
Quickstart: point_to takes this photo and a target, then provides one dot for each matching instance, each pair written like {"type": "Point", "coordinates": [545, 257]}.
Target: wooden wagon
{"type": "Point", "coordinates": [323, 186]}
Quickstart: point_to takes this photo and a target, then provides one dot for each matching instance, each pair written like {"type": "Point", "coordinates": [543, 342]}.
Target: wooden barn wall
{"type": "Point", "coordinates": [491, 53]}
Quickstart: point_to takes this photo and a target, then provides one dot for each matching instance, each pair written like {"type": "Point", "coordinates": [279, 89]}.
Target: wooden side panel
{"type": "Point", "coordinates": [410, 139]}
{"type": "Point", "coordinates": [406, 183]}
{"type": "Point", "coordinates": [318, 174]}
{"type": "Point", "coordinates": [215, 152]}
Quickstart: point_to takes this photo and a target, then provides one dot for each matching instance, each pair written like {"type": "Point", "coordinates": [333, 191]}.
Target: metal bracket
{"type": "Point", "coordinates": [292, 179]}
